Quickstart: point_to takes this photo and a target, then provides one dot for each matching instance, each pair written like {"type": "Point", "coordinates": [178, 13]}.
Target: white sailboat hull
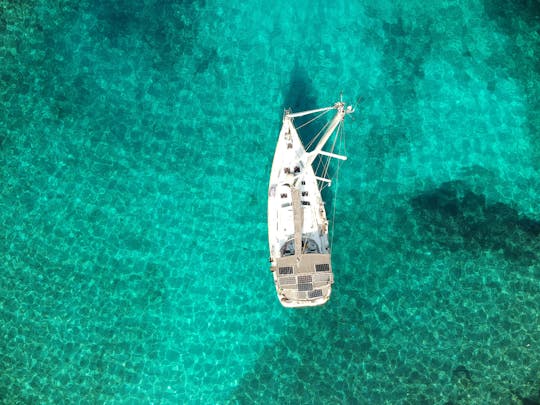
{"type": "Point", "coordinates": [297, 225]}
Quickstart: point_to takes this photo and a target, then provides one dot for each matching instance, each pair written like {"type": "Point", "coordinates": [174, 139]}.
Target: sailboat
{"type": "Point", "coordinates": [300, 253]}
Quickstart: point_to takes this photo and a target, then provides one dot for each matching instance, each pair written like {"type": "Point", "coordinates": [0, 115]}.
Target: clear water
{"type": "Point", "coordinates": [136, 139]}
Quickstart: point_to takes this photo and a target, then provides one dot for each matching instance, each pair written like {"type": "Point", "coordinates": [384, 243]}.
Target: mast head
{"type": "Point", "coordinates": [286, 112]}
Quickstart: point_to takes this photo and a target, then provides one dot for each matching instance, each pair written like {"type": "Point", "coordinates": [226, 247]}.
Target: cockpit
{"type": "Point", "coordinates": [308, 246]}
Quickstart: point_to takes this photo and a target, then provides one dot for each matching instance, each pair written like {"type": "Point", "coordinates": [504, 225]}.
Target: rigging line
{"type": "Point", "coordinates": [334, 204]}
{"type": "Point", "coordinates": [325, 165]}
{"type": "Point", "coordinates": [313, 119]}
{"type": "Point", "coordinates": [316, 137]}
{"type": "Point", "coordinates": [336, 176]}
{"type": "Point", "coordinates": [344, 142]}
{"type": "Point", "coordinates": [341, 136]}
{"type": "Point", "coordinates": [317, 170]}
{"type": "Point", "coordinates": [328, 162]}
{"type": "Point", "coordinates": [358, 101]}
{"type": "Point", "coordinates": [338, 136]}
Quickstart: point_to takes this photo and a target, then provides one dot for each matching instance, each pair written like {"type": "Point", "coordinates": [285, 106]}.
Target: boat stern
{"type": "Point", "coordinates": [303, 280]}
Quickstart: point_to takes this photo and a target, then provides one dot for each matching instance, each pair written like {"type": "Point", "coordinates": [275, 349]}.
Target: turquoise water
{"type": "Point", "coordinates": [135, 148]}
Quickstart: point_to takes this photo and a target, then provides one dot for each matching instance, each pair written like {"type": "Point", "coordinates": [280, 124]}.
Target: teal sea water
{"type": "Point", "coordinates": [136, 139]}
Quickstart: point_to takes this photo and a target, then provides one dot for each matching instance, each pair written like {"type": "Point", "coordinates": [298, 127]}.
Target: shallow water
{"type": "Point", "coordinates": [135, 148]}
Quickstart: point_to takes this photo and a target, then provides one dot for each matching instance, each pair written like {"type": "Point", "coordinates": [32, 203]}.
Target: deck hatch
{"type": "Point", "coordinates": [304, 279]}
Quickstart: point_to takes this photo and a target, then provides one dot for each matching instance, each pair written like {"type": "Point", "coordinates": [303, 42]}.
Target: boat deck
{"type": "Point", "coordinates": [305, 279]}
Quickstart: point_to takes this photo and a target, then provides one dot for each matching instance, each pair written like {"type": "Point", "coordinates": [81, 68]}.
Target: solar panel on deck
{"type": "Point", "coordinates": [304, 279]}
{"type": "Point", "coordinates": [305, 287]}
{"type": "Point", "coordinates": [315, 293]}
{"type": "Point", "coordinates": [285, 270]}
{"type": "Point", "coordinates": [322, 267]}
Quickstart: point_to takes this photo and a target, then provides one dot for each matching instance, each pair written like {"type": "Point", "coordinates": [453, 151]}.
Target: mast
{"type": "Point", "coordinates": [341, 112]}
